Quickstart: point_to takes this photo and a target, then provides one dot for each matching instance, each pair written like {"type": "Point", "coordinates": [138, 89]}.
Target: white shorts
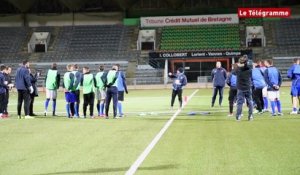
{"type": "Point", "coordinates": [265, 92]}
{"type": "Point", "coordinates": [272, 95]}
{"type": "Point", "coordinates": [51, 94]}
{"type": "Point", "coordinates": [101, 94]}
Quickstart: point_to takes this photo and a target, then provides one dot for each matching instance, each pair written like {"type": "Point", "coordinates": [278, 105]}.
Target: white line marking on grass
{"type": "Point", "coordinates": [146, 152]}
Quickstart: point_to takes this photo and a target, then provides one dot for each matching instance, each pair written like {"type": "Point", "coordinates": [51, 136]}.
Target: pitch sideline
{"type": "Point", "coordinates": [133, 168]}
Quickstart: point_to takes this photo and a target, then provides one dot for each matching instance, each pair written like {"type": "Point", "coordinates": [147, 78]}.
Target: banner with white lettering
{"type": "Point", "coordinates": [198, 54]}
{"type": "Point", "coordinates": [161, 21]}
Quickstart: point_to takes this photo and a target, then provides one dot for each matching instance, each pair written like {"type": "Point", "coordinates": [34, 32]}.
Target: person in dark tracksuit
{"type": "Point", "coordinates": [179, 81]}
{"type": "Point", "coordinates": [10, 85]}
{"type": "Point", "coordinates": [218, 76]}
{"type": "Point", "coordinates": [24, 87]}
{"type": "Point", "coordinates": [273, 80]}
{"type": "Point", "coordinates": [88, 82]}
{"type": "Point", "coordinates": [258, 82]}
{"type": "Point", "coordinates": [231, 82]}
{"type": "Point", "coordinates": [112, 90]}
{"type": "Point", "coordinates": [33, 79]}
{"type": "Point", "coordinates": [244, 73]}
{"type": "Point", "coordinates": [3, 87]}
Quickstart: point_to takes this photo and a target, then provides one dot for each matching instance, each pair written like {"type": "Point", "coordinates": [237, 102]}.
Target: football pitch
{"type": "Point", "coordinates": [210, 144]}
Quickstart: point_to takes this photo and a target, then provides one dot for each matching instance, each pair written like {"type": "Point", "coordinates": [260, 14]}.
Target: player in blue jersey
{"type": "Point", "coordinates": [231, 82]}
{"type": "Point", "coordinates": [273, 80]}
{"type": "Point", "coordinates": [179, 81]}
{"type": "Point", "coordinates": [258, 83]}
{"type": "Point", "coordinates": [294, 74]}
{"type": "Point", "coordinates": [68, 85]}
{"type": "Point", "coordinates": [121, 85]}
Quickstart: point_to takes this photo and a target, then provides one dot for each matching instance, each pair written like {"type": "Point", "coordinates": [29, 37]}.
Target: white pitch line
{"type": "Point", "coordinates": [146, 152]}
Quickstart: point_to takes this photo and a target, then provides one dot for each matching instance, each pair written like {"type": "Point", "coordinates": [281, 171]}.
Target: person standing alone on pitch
{"type": "Point", "coordinates": [121, 84]}
{"type": "Point", "coordinates": [88, 82]}
{"type": "Point", "coordinates": [24, 87]}
{"type": "Point", "coordinates": [52, 84]}
{"type": "Point", "coordinates": [218, 76]}
{"type": "Point", "coordinates": [244, 73]}
{"type": "Point", "coordinates": [179, 81]}
{"type": "Point", "coordinates": [112, 90]}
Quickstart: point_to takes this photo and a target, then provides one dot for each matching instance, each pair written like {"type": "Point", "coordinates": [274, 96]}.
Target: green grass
{"type": "Point", "coordinates": [212, 144]}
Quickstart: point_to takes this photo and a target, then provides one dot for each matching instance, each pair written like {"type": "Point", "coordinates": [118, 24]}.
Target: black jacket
{"type": "Point", "coordinates": [244, 74]}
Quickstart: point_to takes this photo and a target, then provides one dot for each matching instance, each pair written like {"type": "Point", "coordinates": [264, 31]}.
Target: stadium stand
{"type": "Point", "coordinates": [253, 21]}
{"type": "Point", "coordinates": [200, 37]}
{"type": "Point", "coordinates": [145, 74]}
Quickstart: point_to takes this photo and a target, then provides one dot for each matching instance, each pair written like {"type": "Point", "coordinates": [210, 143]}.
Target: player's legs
{"type": "Point", "coordinates": [20, 101]}
{"type": "Point", "coordinates": [107, 100]}
{"type": "Point", "coordinates": [257, 97]}
{"type": "Point", "coordinates": [77, 103]}
{"type": "Point", "coordinates": [215, 91]}
{"type": "Point", "coordinates": [27, 101]}
{"type": "Point", "coordinates": [294, 95]}
{"type": "Point", "coordinates": [248, 96]}
{"type": "Point", "coordinates": [240, 102]}
{"type": "Point", "coordinates": [272, 98]}
{"type": "Point", "coordinates": [179, 93]}
{"type": "Point", "coordinates": [174, 93]}
{"type": "Point", "coordinates": [69, 100]}
{"type": "Point", "coordinates": [115, 100]}
{"type": "Point", "coordinates": [278, 102]}
{"type": "Point", "coordinates": [231, 99]}
{"type": "Point", "coordinates": [2, 104]}
{"type": "Point", "coordinates": [221, 91]}
{"type": "Point", "coordinates": [120, 101]}
{"type": "Point", "coordinates": [48, 96]}
{"type": "Point", "coordinates": [98, 97]}
{"type": "Point", "coordinates": [265, 99]}
{"type": "Point", "coordinates": [102, 102]}
{"type": "Point", "coordinates": [91, 103]}
{"type": "Point", "coordinates": [85, 104]}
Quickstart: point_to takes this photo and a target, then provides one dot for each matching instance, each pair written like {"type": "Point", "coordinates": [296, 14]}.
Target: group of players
{"type": "Point", "coordinates": [104, 86]}
{"type": "Point", "coordinates": [257, 84]}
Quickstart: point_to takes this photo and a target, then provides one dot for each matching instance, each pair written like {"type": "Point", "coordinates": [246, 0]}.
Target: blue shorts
{"type": "Point", "coordinates": [70, 97]}
{"type": "Point", "coordinates": [295, 91]}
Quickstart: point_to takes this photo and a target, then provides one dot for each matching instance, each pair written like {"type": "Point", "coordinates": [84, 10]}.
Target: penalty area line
{"type": "Point", "coordinates": [133, 168]}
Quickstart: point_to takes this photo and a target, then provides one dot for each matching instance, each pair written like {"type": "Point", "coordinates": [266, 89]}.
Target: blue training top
{"type": "Point", "coordinates": [272, 77]}
{"type": "Point", "coordinates": [258, 79]}
{"type": "Point", "coordinates": [218, 76]}
{"type": "Point", "coordinates": [231, 80]}
{"type": "Point", "coordinates": [294, 74]}
{"type": "Point", "coordinates": [121, 82]}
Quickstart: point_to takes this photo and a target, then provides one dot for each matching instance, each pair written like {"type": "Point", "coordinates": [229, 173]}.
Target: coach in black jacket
{"type": "Point", "coordinates": [24, 87]}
